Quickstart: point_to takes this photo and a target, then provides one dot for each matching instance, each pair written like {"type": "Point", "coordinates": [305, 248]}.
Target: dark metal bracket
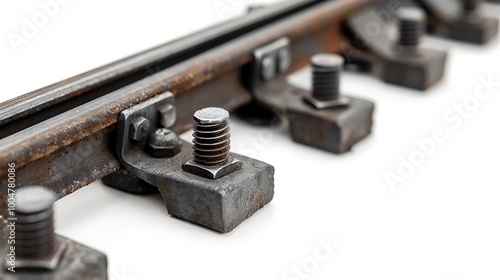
{"type": "Point", "coordinates": [270, 62]}
{"type": "Point", "coordinates": [372, 48]}
{"type": "Point", "coordinates": [333, 128]}
{"type": "Point", "coordinates": [220, 204]}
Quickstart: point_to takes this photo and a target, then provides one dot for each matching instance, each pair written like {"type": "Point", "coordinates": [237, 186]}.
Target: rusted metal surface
{"type": "Point", "coordinates": [34, 107]}
{"type": "Point", "coordinates": [74, 166]}
{"type": "Point", "coordinates": [212, 77]}
{"type": "Point", "coordinates": [217, 202]}
{"type": "Point", "coordinates": [89, 159]}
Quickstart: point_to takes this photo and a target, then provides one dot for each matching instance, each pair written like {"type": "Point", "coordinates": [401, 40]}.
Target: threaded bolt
{"type": "Point", "coordinates": [35, 237]}
{"type": "Point", "coordinates": [471, 5]}
{"type": "Point", "coordinates": [411, 26]}
{"type": "Point", "coordinates": [326, 69]}
{"type": "Point", "coordinates": [211, 136]}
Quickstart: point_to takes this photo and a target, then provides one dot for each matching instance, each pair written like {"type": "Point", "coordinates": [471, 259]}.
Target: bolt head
{"type": "Point", "coordinates": [167, 114]}
{"type": "Point", "coordinates": [163, 143]}
{"type": "Point", "coordinates": [139, 129]}
{"type": "Point", "coordinates": [34, 199]}
{"type": "Point", "coordinates": [412, 14]}
{"type": "Point", "coordinates": [211, 115]}
{"type": "Point", "coordinates": [327, 61]}
{"type": "Point", "coordinates": [268, 68]}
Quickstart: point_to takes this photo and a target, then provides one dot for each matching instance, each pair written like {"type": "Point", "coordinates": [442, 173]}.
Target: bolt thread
{"type": "Point", "coordinates": [326, 83]}
{"type": "Point", "coordinates": [35, 236]}
{"type": "Point", "coordinates": [326, 71]}
{"type": "Point", "coordinates": [411, 26]}
{"type": "Point", "coordinates": [471, 5]}
{"type": "Point", "coordinates": [211, 140]}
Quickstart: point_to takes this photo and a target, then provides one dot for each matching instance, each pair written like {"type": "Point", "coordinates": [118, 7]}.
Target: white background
{"type": "Point", "coordinates": [442, 222]}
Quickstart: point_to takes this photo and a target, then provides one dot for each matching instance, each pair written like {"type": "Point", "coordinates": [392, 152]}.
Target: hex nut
{"type": "Point", "coordinates": [50, 262]}
{"type": "Point", "coordinates": [213, 172]}
{"type": "Point", "coordinates": [139, 129]}
{"type": "Point", "coordinates": [163, 143]}
{"type": "Point", "coordinates": [327, 104]}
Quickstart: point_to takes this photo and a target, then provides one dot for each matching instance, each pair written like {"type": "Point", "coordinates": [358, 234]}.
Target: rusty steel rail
{"type": "Point", "coordinates": [66, 140]}
{"type": "Point", "coordinates": [34, 107]}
